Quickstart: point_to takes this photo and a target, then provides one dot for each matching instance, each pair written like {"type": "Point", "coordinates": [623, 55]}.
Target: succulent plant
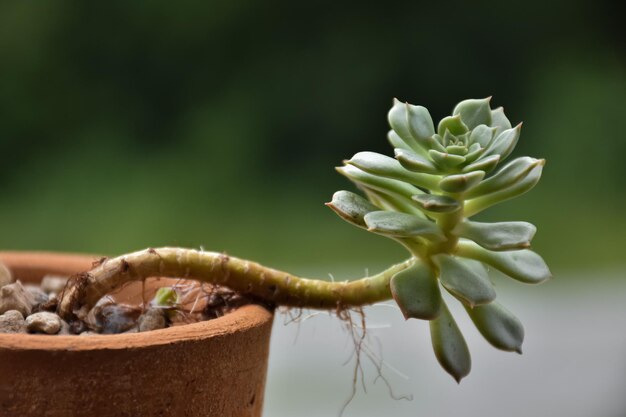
{"type": "Point", "coordinates": [423, 199]}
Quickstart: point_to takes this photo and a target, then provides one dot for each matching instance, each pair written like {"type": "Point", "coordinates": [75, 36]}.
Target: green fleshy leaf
{"type": "Point", "coordinates": [498, 326]}
{"type": "Point", "coordinates": [524, 185]}
{"type": "Point", "coordinates": [165, 297]}
{"type": "Point", "coordinates": [466, 280]}
{"type": "Point", "coordinates": [373, 197]}
{"type": "Point", "coordinates": [457, 149]}
{"type": "Point", "coordinates": [436, 203]}
{"type": "Point", "coordinates": [523, 265]}
{"type": "Point", "coordinates": [391, 202]}
{"type": "Point", "coordinates": [386, 185]}
{"type": "Point", "coordinates": [474, 112]}
{"type": "Point", "coordinates": [414, 162]}
{"type": "Point", "coordinates": [396, 141]}
{"type": "Point", "coordinates": [464, 138]}
{"type": "Point", "coordinates": [449, 138]}
{"type": "Point", "coordinates": [436, 143]}
{"type": "Point", "coordinates": [446, 161]}
{"type": "Point", "coordinates": [417, 292]}
{"type": "Point", "coordinates": [497, 236]}
{"type": "Point", "coordinates": [511, 173]}
{"type": "Point", "coordinates": [377, 164]}
{"type": "Point", "coordinates": [421, 124]}
{"type": "Point", "coordinates": [399, 118]}
{"type": "Point", "coordinates": [485, 164]}
{"type": "Point", "coordinates": [395, 224]}
{"type": "Point", "coordinates": [399, 122]}
{"type": "Point", "coordinates": [449, 345]}
{"type": "Point", "coordinates": [453, 124]}
{"type": "Point", "coordinates": [504, 143]}
{"type": "Point", "coordinates": [482, 135]}
{"type": "Point", "coordinates": [351, 207]}
{"type": "Point", "coordinates": [499, 120]}
{"type": "Point", "coordinates": [461, 182]}
{"type": "Point", "coordinates": [474, 147]}
{"type": "Point", "coordinates": [473, 152]}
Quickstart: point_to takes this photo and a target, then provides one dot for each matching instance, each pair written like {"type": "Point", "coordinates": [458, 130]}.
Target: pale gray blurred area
{"type": "Point", "coordinates": [574, 360]}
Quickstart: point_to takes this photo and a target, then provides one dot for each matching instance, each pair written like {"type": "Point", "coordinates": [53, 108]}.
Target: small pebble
{"type": "Point", "coordinates": [52, 283]}
{"type": "Point", "coordinates": [43, 322]}
{"type": "Point", "coordinates": [65, 328]}
{"type": "Point", "coordinates": [152, 319]}
{"type": "Point", "coordinates": [39, 296]}
{"type": "Point", "coordinates": [115, 318]}
{"type": "Point", "coordinates": [12, 322]}
{"type": "Point", "coordinates": [78, 327]}
{"type": "Point", "coordinates": [15, 297]}
{"type": "Point", "coordinates": [5, 276]}
{"type": "Point", "coordinates": [89, 333]}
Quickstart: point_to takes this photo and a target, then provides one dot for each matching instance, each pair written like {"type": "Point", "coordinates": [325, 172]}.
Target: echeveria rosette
{"type": "Point", "coordinates": [423, 198]}
{"type": "Point", "coordinates": [472, 141]}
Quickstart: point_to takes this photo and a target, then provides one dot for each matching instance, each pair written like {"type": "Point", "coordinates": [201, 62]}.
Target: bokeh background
{"type": "Point", "coordinates": [217, 124]}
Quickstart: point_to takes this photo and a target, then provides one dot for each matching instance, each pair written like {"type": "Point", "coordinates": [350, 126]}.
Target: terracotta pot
{"type": "Point", "coordinates": [211, 368]}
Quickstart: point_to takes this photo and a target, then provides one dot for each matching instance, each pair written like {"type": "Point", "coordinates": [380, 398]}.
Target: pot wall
{"type": "Point", "coordinates": [212, 368]}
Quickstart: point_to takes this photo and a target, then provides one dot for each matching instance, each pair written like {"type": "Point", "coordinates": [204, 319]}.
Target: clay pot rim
{"type": "Point", "coordinates": [242, 319]}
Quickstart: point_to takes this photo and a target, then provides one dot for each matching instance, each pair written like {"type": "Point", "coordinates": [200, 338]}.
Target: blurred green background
{"type": "Point", "coordinates": [125, 125]}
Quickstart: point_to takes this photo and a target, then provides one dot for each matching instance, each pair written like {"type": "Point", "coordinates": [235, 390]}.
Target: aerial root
{"type": "Point", "coordinates": [357, 330]}
{"type": "Point", "coordinates": [354, 322]}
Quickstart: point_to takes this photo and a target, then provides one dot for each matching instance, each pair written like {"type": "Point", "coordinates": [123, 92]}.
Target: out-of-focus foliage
{"type": "Point", "coordinates": [125, 125]}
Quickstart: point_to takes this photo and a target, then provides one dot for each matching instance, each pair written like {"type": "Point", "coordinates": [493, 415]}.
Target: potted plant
{"type": "Point", "coordinates": [423, 199]}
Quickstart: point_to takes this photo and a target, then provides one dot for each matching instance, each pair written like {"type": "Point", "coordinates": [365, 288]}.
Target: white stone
{"type": "Point", "coordinates": [12, 322]}
{"type": "Point", "coordinates": [152, 319]}
{"type": "Point", "coordinates": [43, 322]}
{"type": "Point", "coordinates": [15, 297]}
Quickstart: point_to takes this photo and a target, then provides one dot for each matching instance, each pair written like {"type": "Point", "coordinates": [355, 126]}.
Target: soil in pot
{"type": "Point", "coordinates": [156, 303]}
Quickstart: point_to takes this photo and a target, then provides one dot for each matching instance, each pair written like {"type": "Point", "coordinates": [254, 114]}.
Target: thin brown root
{"type": "Point", "coordinates": [357, 330]}
{"type": "Point", "coordinates": [358, 338]}
{"type": "Point", "coordinates": [292, 315]}
{"type": "Point", "coordinates": [378, 363]}
{"type": "Point", "coordinates": [355, 324]}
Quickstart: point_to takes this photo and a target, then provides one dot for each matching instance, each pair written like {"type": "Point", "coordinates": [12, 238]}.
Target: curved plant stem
{"type": "Point", "coordinates": [240, 275]}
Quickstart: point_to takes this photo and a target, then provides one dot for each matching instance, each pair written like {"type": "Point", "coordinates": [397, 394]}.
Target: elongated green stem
{"type": "Point", "coordinates": [447, 222]}
{"type": "Point", "coordinates": [240, 275]}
